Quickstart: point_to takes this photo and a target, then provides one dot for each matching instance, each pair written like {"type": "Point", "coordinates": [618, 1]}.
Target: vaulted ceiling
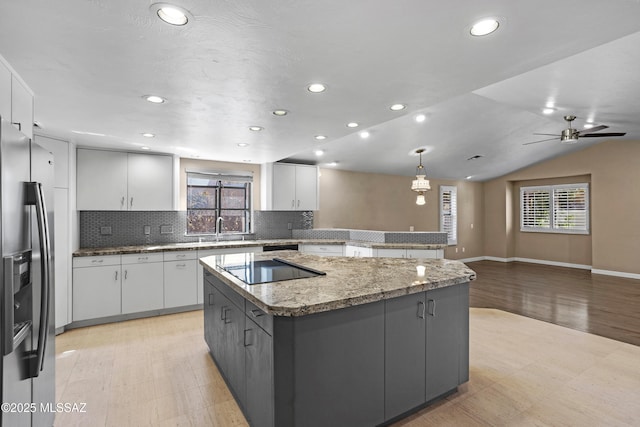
{"type": "Point", "coordinates": [91, 62]}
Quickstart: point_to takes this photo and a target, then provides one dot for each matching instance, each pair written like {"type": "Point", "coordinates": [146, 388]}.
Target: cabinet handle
{"type": "Point", "coordinates": [116, 275]}
{"type": "Point", "coordinates": [211, 299]}
{"type": "Point", "coordinates": [292, 203]}
{"type": "Point", "coordinates": [180, 256]}
{"type": "Point", "coordinates": [126, 274]}
{"type": "Point", "coordinates": [432, 310]}
{"type": "Point", "coordinates": [19, 125]}
{"type": "Point", "coordinates": [99, 261]}
{"type": "Point", "coordinates": [245, 340]}
{"type": "Point", "coordinates": [223, 314]}
{"type": "Point", "coordinates": [181, 265]}
{"type": "Point", "coordinates": [143, 258]}
{"type": "Point", "coordinates": [421, 309]}
{"type": "Point", "coordinates": [257, 313]}
{"type": "Point", "coordinates": [298, 202]}
{"type": "Point", "coordinates": [122, 202]}
{"type": "Point", "coordinates": [131, 204]}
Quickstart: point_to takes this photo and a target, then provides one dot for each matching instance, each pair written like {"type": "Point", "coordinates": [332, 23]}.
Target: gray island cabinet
{"type": "Point", "coordinates": [366, 344]}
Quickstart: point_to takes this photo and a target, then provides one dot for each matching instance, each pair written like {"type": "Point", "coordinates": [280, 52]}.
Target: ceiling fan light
{"type": "Point", "coordinates": [569, 136]}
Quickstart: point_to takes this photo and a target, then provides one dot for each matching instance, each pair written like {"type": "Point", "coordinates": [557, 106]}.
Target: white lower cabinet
{"type": "Point", "coordinates": [142, 282]}
{"type": "Point", "coordinates": [409, 253]}
{"type": "Point", "coordinates": [180, 279]}
{"type": "Point", "coordinates": [325, 250]}
{"type": "Point", "coordinates": [358, 251]}
{"type": "Point", "coordinates": [96, 287]}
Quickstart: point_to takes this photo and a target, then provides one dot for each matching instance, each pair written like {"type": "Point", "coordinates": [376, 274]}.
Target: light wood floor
{"type": "Point", "coordinates": [524, 372]}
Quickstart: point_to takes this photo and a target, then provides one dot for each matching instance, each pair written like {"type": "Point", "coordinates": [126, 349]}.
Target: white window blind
{"type": "Point", "coordinates": [449, 213]}
{"type": "Point", "coordinates": [555, 208]}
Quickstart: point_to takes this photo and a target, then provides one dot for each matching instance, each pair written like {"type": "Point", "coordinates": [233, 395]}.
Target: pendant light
{"type": "Point", "coordinates": [420, 184]}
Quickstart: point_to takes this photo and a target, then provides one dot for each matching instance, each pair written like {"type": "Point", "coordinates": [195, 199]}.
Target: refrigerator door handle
{"type": "Point", "coordinates": [35, 196]}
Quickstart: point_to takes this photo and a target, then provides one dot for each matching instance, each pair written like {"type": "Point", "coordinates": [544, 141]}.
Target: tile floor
{"type": "Point", "coordinates": [524, 372]}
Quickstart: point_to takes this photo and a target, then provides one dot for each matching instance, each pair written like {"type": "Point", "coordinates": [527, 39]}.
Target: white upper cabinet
{"type": "Point", "coordinates": [291, 187]}
{"type": "Point", "coordinates": [16, 100]}
{"type": "Point", "coordinates": [21, 107]}
{"type": "Point", "coordinates": [5, 92]}
{"type": "Point", "coordinates": [113, 180]}
{"type": "Point", "coordinates": [150, 185]}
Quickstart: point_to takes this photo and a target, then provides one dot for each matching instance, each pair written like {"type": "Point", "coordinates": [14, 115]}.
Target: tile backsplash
{"type": "Point", "coordinates": [125, 228]}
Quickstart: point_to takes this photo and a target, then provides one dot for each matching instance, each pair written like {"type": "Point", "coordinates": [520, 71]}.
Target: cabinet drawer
{"type": "Point", "coordinates": [96, 261]}
{"type": "Point", "coordinates": [180, 255]}
{"type": "Point", "coordinates": [264, 320]}
{"type": "Point", "coordinates": [142, 258]}
{"type": "Point", "coordinates": [335, 250]}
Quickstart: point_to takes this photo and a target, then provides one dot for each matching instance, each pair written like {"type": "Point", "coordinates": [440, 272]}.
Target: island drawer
{"type": "Point", "coordinates": [264, 320]}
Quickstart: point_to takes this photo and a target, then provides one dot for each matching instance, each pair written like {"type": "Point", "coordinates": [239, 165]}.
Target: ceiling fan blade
{"type": "Point", "coordinates": [548, 134]}
{"type": "Point", "coordinates": [593, 129]}
{"type": "Point", "coordinates": [600, 135]}
{"type": "Point", "coordinates": [544, 140]}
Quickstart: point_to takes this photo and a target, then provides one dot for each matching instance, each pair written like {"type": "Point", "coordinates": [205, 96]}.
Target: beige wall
{"type": "Point", "coordinates": [614, 243]}
{"type": "Point", "coordinates": [385, 202]}
{"type": "Point", "coordinates": [195, 165]}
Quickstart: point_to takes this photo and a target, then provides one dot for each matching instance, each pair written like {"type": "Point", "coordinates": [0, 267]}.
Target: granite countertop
{"type": "Point", "coordinates": [348, 281]}
{"type": "Point", "coordinates": [192, 246]}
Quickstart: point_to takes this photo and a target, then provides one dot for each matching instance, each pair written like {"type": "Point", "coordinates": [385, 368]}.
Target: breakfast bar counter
{"type": "Point", "coordinates": [366, 343]}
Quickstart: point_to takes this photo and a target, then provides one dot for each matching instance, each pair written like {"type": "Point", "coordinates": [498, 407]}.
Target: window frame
{"type": "Point", "coordinates": [220, 207]}
{"type": "Point", "coordinates": [452, 213]}
{"type": "Point", "coordinates": [553, 211]}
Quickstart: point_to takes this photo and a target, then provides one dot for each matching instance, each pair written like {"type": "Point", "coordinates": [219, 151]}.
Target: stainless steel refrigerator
{"type": "Point", "coordinates": [26, 271]}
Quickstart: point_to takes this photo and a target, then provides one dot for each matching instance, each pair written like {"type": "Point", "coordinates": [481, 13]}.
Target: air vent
{"type": "Point", "coordinates": [476, 157]}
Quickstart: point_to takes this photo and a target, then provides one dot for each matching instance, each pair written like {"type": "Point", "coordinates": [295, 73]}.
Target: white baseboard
{"type": "Point", "coordinates": [557, 264]}
{"type": "Point", "coordinates": [478, 258]}
{"type": "Point", "coordinates": [616, 273]}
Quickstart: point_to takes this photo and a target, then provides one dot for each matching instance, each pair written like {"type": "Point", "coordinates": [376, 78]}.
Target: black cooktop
{"type": "Point", "coordinates": [272, 270]}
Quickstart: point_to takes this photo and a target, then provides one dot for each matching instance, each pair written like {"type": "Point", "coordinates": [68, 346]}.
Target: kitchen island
{"type": "Point", "coordinates": [369, 342]}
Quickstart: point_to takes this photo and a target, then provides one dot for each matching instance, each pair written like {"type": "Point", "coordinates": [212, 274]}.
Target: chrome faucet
{"type": "Point", "coordinates": [218, 227]}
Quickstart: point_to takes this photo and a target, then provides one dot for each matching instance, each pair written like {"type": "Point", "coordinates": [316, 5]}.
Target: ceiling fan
{"type": "Point", "coordinates": [571, 135]}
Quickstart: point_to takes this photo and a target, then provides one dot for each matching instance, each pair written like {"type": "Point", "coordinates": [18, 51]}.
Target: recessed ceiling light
{"type": "Point", "coordinates": [420, 118]}
{"type": "Point", "coordinates": [484, 27]}
{"type": "Point", "coordinates": [155, 99]}
{"type": "Point", "coordinates": [247, 160]}
{"type": "Point", "coordinates": [243, 144]}
{"type": "Point", "coordinates": [469, 177]}
{"type": "Point", "coordinates": [364, 134]}
{"type": "Point", "coordinates": [548, 110]}
{"type": "Point", "coordinates": [280, 113]}
{"type": "Point", "coordinates": [148, 135]}
{"type": "Point", "coordinates": [397, 107]}
{"type": "Point", "coordinates": [145, 148]}
{"type": "Point", "coordinates": [334, 163]}
{"type": "Point", "coordinates": [171, 14]}
{"type": "Point", "coordinates": [320, 137]}
{"type": "Point", "coordinates": [588, 125]}
{"type": "Point", "coordinates": [316, 88]}
{"type": "Point", "coordinates": [318, 152]}
{"type": "Point", "coordinates": [255, 128]}
{"type": "Point", "coordinates": [352, 125]}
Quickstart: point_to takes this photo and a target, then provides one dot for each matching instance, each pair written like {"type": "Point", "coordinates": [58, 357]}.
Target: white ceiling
{"type": "Point", "coordinates": [90, 62]}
